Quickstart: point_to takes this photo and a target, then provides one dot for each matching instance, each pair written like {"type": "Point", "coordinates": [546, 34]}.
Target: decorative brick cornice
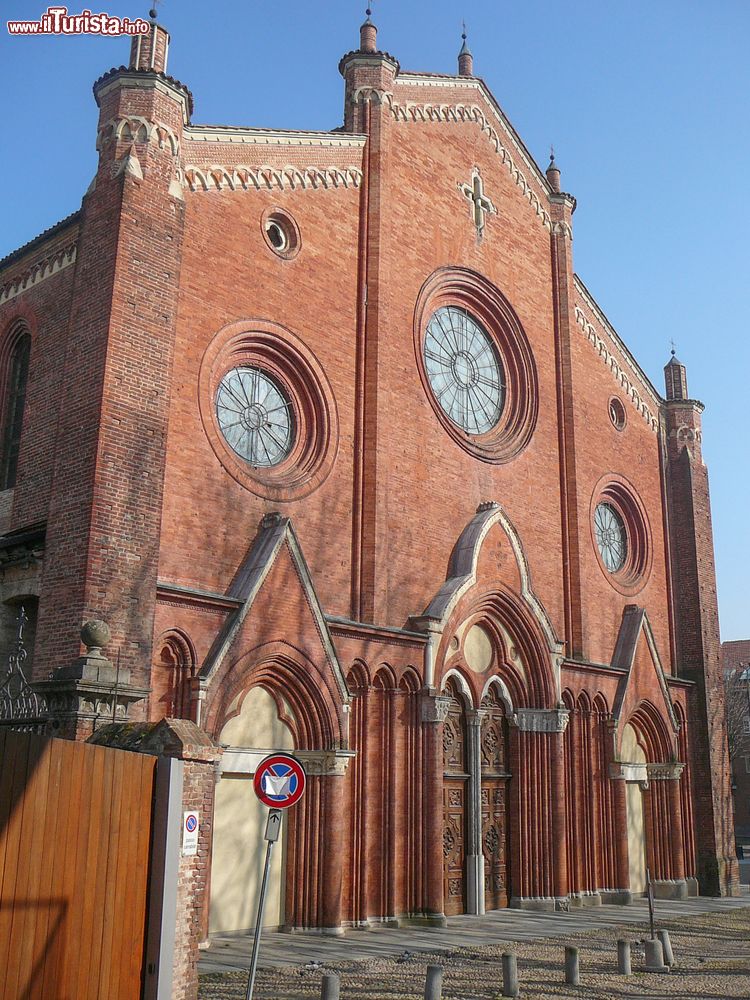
{"type": "Point", "coordinates": [634, 393]}
{"type": "Point", "coordinates": [144, 80]}
{"type": "Point", "coordinates": [228, 135]}
{"type": "Point", "coordinates": [219, 178]}
{"type": "Point", "coordinates": [39, 271]}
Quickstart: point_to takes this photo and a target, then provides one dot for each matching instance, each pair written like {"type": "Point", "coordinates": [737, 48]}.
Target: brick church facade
{"type": "Point", "coordinates": [326, 429]}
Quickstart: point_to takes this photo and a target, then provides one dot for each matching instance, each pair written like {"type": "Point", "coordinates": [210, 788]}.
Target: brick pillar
{"type": "Point", "coordinates": [369, 76]}
{"type": "Point", "coordinates": [676, 840]}
{"type": "Point", "coordinates": [328, 768]}
{"type": "Point", "coordinates": [176, 925]}
{"type": "Point", "coordinates": [559, 826]}
{"type": "Point", "coordinates": [573, 513]}
{"type": "Point", "coordinates": [622, 851]}
{"type": "Point", "coordinates": [697, 635]}
{"type": "Point", "coordinates": [333, 854]}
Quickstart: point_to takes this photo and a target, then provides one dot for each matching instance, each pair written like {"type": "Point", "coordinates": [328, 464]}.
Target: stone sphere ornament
{"type": "Point", "coordinates": [95, 634]}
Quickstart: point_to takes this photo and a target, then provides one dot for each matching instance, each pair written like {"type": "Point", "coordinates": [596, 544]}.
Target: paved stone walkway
{"type": "Point", "coordinates": [228, 953]}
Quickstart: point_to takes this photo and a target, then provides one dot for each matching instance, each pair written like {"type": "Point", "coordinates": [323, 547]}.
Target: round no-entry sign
{"type": "Point", "coordinates": [279, 781]}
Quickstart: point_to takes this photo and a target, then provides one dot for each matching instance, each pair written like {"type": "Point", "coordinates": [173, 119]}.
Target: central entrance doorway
{"type": "Point", "coordinates": [476, 821]}
{"type": "Point", "coordinates": [455, 811]}
{"type": "Point", "coordinates": [495, 799]}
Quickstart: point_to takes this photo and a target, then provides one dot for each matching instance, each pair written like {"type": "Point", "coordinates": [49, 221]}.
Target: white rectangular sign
{"type": "Point", "coordinates": [190, 828]}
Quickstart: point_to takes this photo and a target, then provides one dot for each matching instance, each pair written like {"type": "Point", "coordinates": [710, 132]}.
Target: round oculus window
{"type": "Point", "coordinates": [611, 537]}
{"type": "Point", "coordinates": [255, 416]}
{"type": "Point", "coordinates": [464, 370]}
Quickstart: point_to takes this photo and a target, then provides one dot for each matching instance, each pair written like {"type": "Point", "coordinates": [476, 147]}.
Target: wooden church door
{"type": "Point", "coordinates": [495, 799]}
{"type": "Point", "coordinates": [455, 789]}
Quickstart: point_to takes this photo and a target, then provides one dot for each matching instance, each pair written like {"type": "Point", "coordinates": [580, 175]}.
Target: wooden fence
{"type": "Point", "coordinates": [75, 833]}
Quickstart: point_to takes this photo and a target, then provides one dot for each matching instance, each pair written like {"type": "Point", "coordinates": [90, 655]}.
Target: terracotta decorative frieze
{"type": "Point", "coordinates": [136, 128]}
{"type": "Point", "coordinates": [289, 178]}
{"type": "Point", "coordinates": [38, 272]}
{"type": "Point", "coordinates": [633, 393]}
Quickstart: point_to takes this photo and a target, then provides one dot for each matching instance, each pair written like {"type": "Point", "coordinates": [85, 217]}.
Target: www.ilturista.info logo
{"type": "Point", "coordinates": [57, 21]}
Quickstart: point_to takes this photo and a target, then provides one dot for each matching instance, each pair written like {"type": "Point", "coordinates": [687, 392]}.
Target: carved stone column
{"type": "Point", "coordinates": [434, 711]}
{"type": "Point", "coordinates": [474, 853]}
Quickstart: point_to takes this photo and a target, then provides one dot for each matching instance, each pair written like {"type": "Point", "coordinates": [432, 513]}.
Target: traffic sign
{"type": "Point", "coordinates": [279, 781]}
{"type": "Point", "coordinates": [190, 833]}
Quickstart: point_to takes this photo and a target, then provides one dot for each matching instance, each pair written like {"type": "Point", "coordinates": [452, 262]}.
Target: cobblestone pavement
{"type": "Point", "coordinates": [711, 949]}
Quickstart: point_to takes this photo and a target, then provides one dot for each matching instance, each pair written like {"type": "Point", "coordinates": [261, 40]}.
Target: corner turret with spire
{"type": "Point", "coordinates": [465, 57]}
{"type": "Point", "coordinates": [369, 75]}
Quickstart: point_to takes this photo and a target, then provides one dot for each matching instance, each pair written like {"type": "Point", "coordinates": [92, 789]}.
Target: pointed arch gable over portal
{"type": "Point", "coordinates": [259, 633]}
{"type": "Point", "coordinates": [522, 611]}
{"type": "Point", "coordinates": [643, 690]}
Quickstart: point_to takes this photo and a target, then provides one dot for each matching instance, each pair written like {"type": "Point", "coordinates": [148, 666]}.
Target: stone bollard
{"type": "Point", "coordinates": [572, 977]}
{"type": "Point", "coordinates": [666, 946]}
{"type": "Point", "coordinates": [329, 987]}
{"type": "Point", "coordinates": [433, 987]}
{"type": "Point", "coordinates": [510, 975]}
{"type": "Point", "coordinates": [623, 957]}
{"type": "Point", "coordinates": [654, 956]}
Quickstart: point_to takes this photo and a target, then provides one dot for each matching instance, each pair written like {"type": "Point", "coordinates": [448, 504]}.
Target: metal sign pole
{"type": "Point", "coordinates": [273, 828]}
{"type": "Point", "coordinates": [650, 894]}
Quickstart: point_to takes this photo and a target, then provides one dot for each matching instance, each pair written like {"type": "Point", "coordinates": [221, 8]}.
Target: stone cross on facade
{"type": "Point", "coordinates": [480, 203]}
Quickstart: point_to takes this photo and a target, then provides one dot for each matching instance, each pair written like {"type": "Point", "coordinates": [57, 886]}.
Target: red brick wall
{"type": "Point", "coordinates": [44, 308]}
{"type": "Point", "coordinates": [102, 540]}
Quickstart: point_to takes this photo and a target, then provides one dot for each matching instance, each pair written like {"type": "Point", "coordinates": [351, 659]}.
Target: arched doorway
{"type": "Point", "coordinates": [495, 799]}
{"type": "Point", "coordinates": [476, 811]}
{"type": "Point", "coordinates": [455, 802]}
{"type": "Point", "coordinates": [238, 851]}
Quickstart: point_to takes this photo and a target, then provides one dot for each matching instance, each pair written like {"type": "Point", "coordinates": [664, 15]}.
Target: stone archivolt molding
{"type": "Point", "coordinates": [41, 270]}
{"type": "Point", "coordinates": [618, 373]}
{"type": "Point", "coordinates": [267, 178]}
{"type": "Point", "coordinates": [135, 128]}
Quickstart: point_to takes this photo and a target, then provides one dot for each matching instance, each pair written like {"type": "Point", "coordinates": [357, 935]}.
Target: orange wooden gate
{"type": "Point", "coordinates": [75, 833]}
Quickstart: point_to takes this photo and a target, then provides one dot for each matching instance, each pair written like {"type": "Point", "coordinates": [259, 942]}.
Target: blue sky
{"type": "Point", "coordinates": [645, 102]}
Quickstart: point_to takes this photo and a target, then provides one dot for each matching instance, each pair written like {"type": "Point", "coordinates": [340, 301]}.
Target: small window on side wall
{"type": "Point", "coordinates": [14, 398]}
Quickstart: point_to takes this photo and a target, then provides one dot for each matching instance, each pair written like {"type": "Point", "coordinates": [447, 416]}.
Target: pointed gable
{"type": "Point", "coordinates": [276, 589]}
{"type": "Point", "coordinates": [645, 680]}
